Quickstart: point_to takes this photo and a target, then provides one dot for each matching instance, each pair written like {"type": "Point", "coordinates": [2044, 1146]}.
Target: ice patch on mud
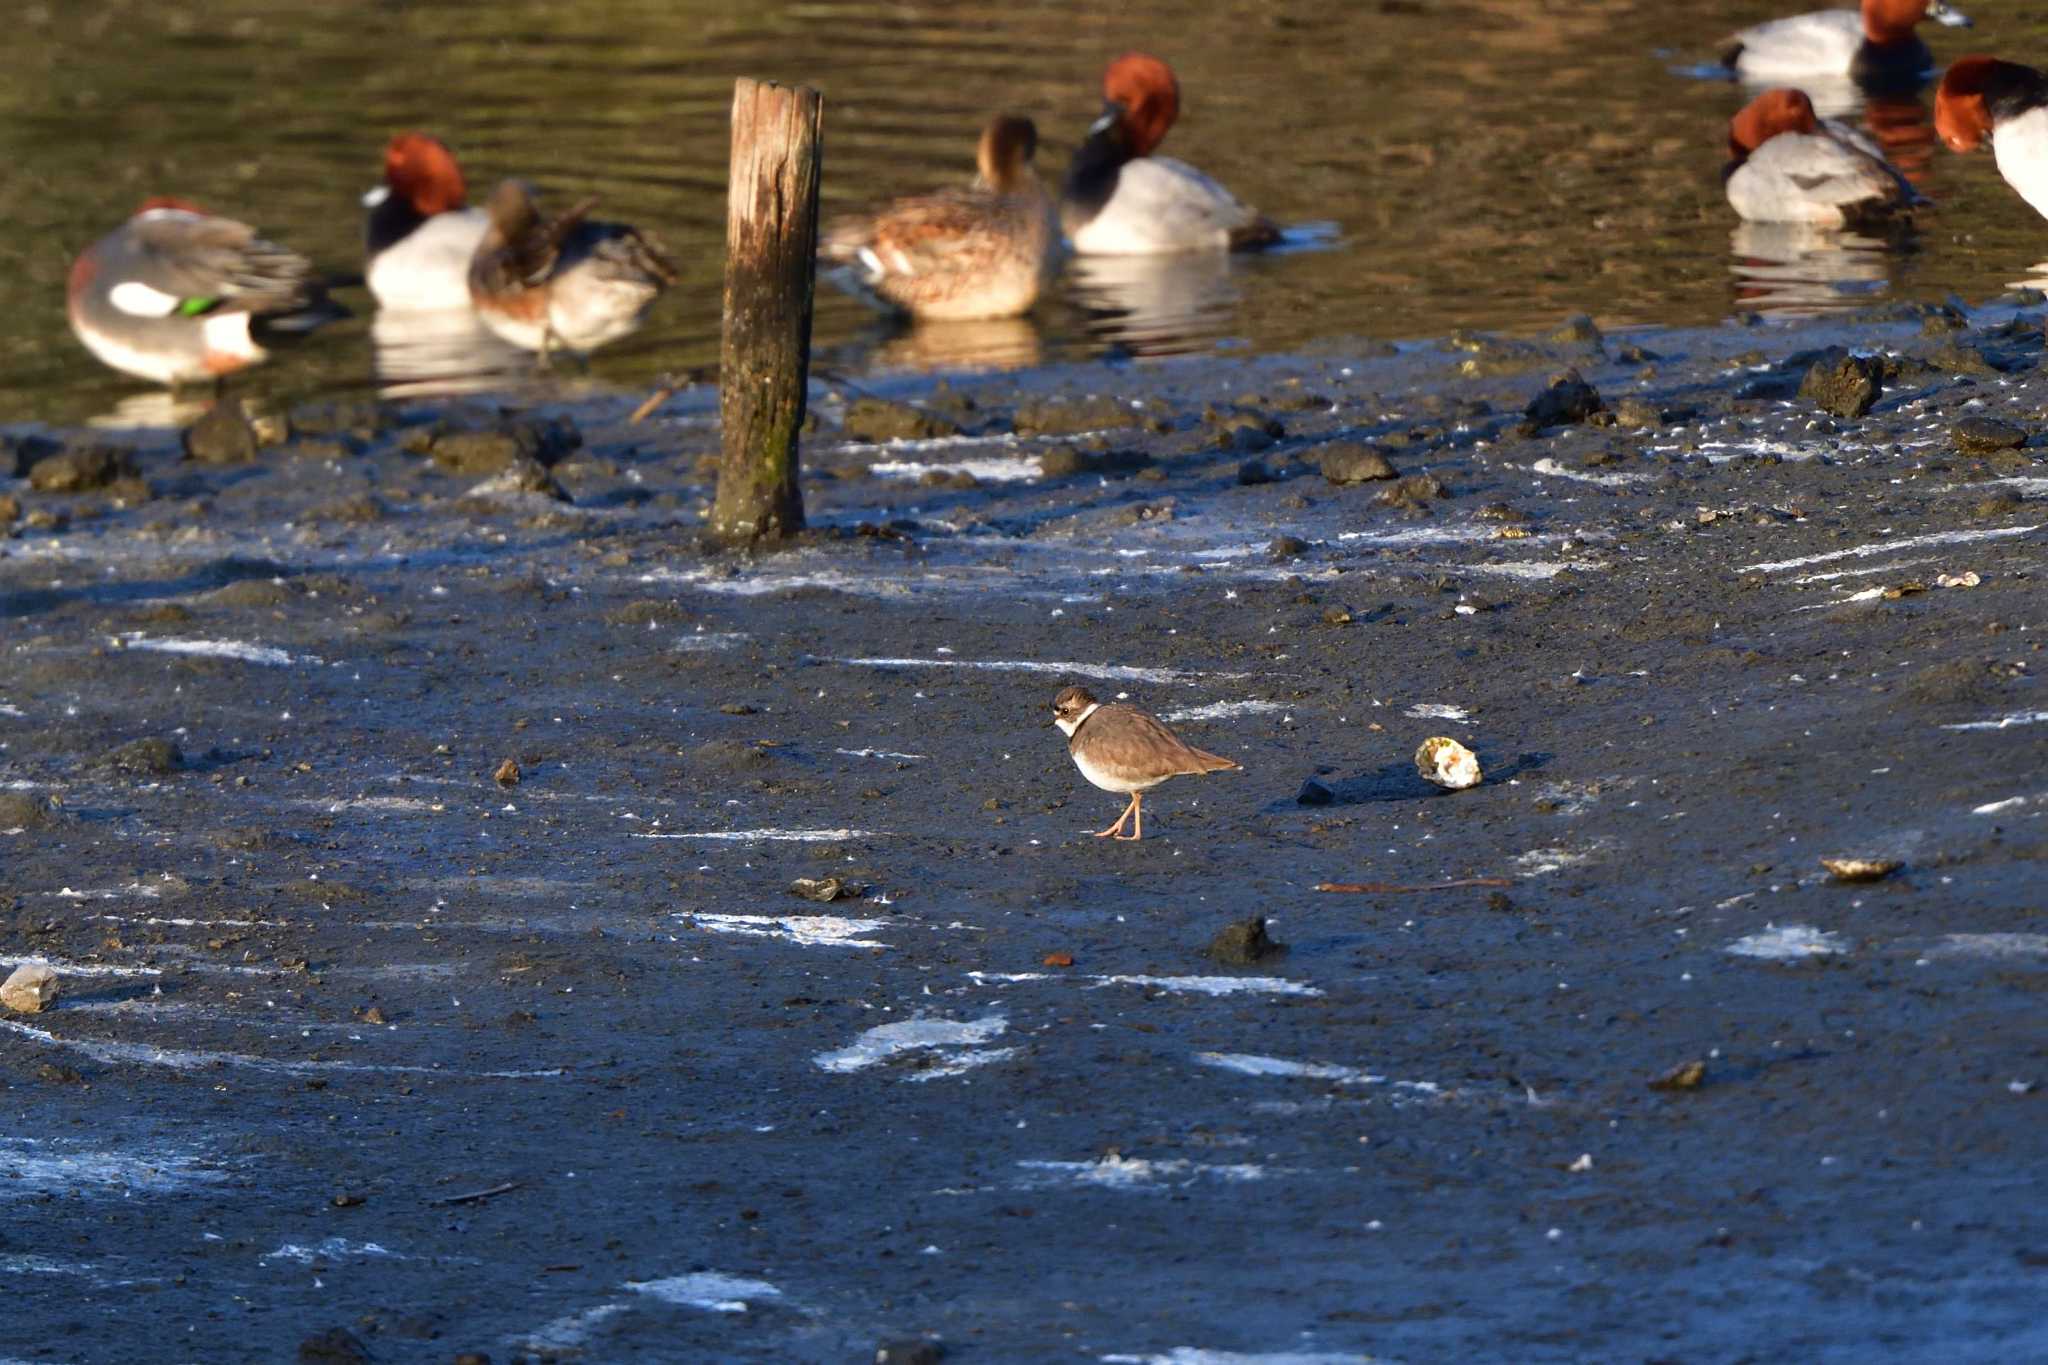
{"type": "Point", "coordinates": [12, 712]}
{"type": "Point", "coordinates": [1101, 672]}
{"type": "Point", "coordinates": [1990, 945]}
{"type": "Point", "coordinates": [1889, 546]}
{"type": "Point", "coordinates": [1250, 1064]}
{"type": "Point", "coordinates": [194, 1059]}
{"type": "Point", "coordinates": [1437, 710]}
{"type": "Point", "coordinates": [1195, 1355]}
{"type": "Point", "coordinates": [1222, 710]}
{"type": "Point", "coordinates": [1193, 985]}
{"type": "Point", "coordinates": [1538, 862]}
{"type": "Point", "coordinates": [772, 836]}
{"type": "Point", "coordinates": [1789, 943]}
{"type": "Point", "coordinates": [2003, 722]}
{"type": "Point", "coordinates": [707, 642]}
{"type": "Point", "coordinates": [708, 1290]}
{"type": "Point", "coordinates": [213, 649]}
{"type": "Point", "coordinates": [812, 931]}
{"type": "Point", "coordinates": [330, 1249]}
{"type": "Point", "coordinates": [32, 1166]}
{"type": "Point", "coordinates": [1537, 569]}
{"type": "Point", "coordinates": [1550, 468]}
{"type": "Point", "coordinates": [921, 1034]}
{"type": "Point", "coordinates": [1116, 1172]}
{"type": "Point", "coordinates": [1017, 470]}
{"type": "Point", "coordinates": [569, 1331]}
{"type": "Point", "coordinates": [880, 753]}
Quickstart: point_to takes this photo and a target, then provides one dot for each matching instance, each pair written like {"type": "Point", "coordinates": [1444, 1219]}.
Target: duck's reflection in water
{"type": "Point", "coordinates": [160, 409]}
{"type": "Point", "coordinates": [421, 354]}
{"type": "Point", "coordinates": [987, 344]}
{"type": "Point", "coordinates": [1796, 270]}
{"type": "Point", "coordinates": [1155, 305]}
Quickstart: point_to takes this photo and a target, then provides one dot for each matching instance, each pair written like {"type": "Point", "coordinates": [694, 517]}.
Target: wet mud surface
{"type": "Point", "coordinates": [364, 1030]}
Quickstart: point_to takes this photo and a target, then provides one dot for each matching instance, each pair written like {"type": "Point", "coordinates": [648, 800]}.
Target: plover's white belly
{"type": "Point", "coordinates": [1113, 780]}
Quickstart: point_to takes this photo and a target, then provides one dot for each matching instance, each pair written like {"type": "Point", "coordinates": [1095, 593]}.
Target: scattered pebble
{"type": "Point", "coordinates": [827, 889]}
{"type": "Point", "coordinates": [222, 436]}
{"type": "Point", "coordinates": [32, 988]}
{"type": "Point", "coordinates": [1684, 1076]}
{"type": "Point", "coordinates": [1860, 869]}
{"type": "Point", "coordinates": [1344, 462]}
{"type": "Point", "coordinates": [507, 774]}
{"type": "Point", "coordinates": [1243, 943]}
{"type": "Point", "coordinates": [1846, 385]}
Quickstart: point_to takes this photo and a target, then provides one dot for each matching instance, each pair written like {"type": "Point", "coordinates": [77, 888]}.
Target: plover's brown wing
{"type": "Point", "coordinates": [1131, 745]}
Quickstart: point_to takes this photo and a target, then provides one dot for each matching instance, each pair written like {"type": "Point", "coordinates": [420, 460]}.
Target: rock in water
{"type": "Point", "coordinates": [1345, 462]}
{"type": "Point", "coordinates": [911, 1352]}
{"type": "Point", "coordinates": [1567, 399]}
{"type": "Point", "coordinates": [1847, 386]}
{"type": "Point", "coordinates": [31, 989]}
{"type": "Point", "coordinates": [222, 436]}
{"type": "Point", "coordinates": [1447, 763]}
{"type": "Point", "coordinates": [1243, 943]}
{"type": "Point", "coordinates": [1986, 436]}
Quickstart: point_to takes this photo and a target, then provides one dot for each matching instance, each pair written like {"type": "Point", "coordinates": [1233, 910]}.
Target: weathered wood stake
{"type": "Point", "coordinates": [771, 248]}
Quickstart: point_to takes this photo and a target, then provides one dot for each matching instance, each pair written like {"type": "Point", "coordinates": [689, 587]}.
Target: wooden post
{"type": "Point", "coordinates": [771, 248]}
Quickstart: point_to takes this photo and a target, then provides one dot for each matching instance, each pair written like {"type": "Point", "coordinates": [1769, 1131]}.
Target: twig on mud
{"type": "Point", "coordinates": [1389, 888]}
{"type": "Point", "coordinates": [475, 1196]}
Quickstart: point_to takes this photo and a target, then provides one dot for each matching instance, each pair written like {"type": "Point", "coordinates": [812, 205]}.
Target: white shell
{"type": "Point", "coordinates": [1447, 763]}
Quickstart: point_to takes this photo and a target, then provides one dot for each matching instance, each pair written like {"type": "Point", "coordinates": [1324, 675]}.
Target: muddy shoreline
{"type": "Point", "coordinates": [355, 1037]}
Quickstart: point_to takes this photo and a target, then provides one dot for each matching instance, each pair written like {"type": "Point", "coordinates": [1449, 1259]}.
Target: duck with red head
{"type": "Point", "coordinates": [967, 254]}
{"type": "Point", "coordinates": [178, 295]}
{"type": "Point", "coordinates": [1789, 166]}
{"type": "Point", "coordinates": [1875, 46]}
{"type": "Point", "coordinates": [1120, 200]}
{"type": "Point", "coordinates": [1983, 99]}
{"type": "Point", "coordinates": [420, 232]}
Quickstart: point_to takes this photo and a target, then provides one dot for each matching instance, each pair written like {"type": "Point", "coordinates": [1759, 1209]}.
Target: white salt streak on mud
{"type": "Point", "coordinates": [1194, 985]}
{"type": "Point", "coordinates": [921, 1034]}
{"type": "Point", "coordinates": [1990, 945]}
{"type": "Point", "coordinates": [1116, 1172]}
{"type": "Point", "coordinates": [1195, 1355]}
{"type": "Point", "coordinates": [31, 1166]}
{"type": "Point", "coordinates": [708, 1290]}
{"type": "Point", "coordinates": [2003, 722]}
{"type": "Point", "coordinates": [331, 1249]}
{"type": "Point", "coordinates": [1250, 1064]}
{"type": "Point", "coordinates": [1889, 546]}
{"type": "Point", "coordinates": [812, 931]}
{"type": "Point", "coordinates": [1437, 710]}
{"type": "Point", "coordinates": [194, 1059]}
{"type": "Point", "coordinates": [214, 649]}
{"type": "Point", "coordinates": [1015, 470]}
{"type": "Point", "coordinates": [1550, 468]}
{"type": "Point", "coordinates": [1102, 672]}
{"type": "Point", "coordinates": [1789, 943]}
{"type": "Point", "coordinates": [772, 836]}
{"type": "Point", "coordinates": [1222, 710]}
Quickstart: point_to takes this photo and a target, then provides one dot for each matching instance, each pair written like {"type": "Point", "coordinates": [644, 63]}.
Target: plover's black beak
{"type": "Point", "coordinates": [1947, 15]}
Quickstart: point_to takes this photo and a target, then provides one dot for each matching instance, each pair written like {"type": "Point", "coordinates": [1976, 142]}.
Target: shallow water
{"type": "Point", "coordinates": [1484, 163]}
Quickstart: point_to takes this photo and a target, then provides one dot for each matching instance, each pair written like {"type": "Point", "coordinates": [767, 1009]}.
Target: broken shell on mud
{"type": "Point", "coordinates": [1684, 1076]}
{"type": "Point", "coordinates": [826, 889]}
{"type": "Point", "coordinates": [1861, 869]}
{"type": "Point", "coordinates": [31, 989]}
{"type": "Point", "coordinates": [1447, 763]}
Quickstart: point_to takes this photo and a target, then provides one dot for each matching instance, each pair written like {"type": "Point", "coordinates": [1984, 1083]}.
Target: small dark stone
{"type": "Point", "coordinates": [335, 1346]}
{"type": "Point", "coordinates": [1684, 1076]}
{"type": "Point", "coordinates": [1062, 461]}
{"type": "Point", "coordinates": [1578, 329]}
{"type": "Point", "coordinates": [1243, 943]}
{"type": "Point", "coordinates": [339, 417]}
{"type": "Point", "coordinates": [913, 1351]}
{"type": "Point", "coordinates": [1314, 793]}
{"type": "Point", "coordinates": [1247, 433]}
{"type": "Point", "coordinates": [1058, 417]}
{"type": "Point", "coordinates": [18, 454]}
{"type": "Point", "coordinates": [1414, 493]}
{"type": "Point", "coordinates": [10, 508]}
{"type": "Point", "coordinates": [142, 758]}
{"type": "Point", "coordinates": [1567, 399]}
{"type": "Point", "coordinates": [827, 889]}
{"type": "Point", "coordinates": [80, 468]}
{"type": "Point", "coordinates": [1253, 472]}
{"type": "Point", "coordinates": [520, 475]}
{"type": "Point", "coordinates": [1345, 462]}
{"type": "Point", "coordinates": [1501, 901]}
{"type": "Point", "coordinates": [1845, 385]}
{"type": "Point", "coordinates": [21, 811]}
{"type": "Point", "coordinates": [1958, 358]}
{"type": "Point", "coordinates": [1286, 547]}
{"type": "Point", "coordinates": [358, 510]}
{"type": "Point", "coordinates": [878, 419]}
{"type": "Point", "coordinates": [1638, 412]}
{"type": "Point", "coordinates": [494, 450]}
{"type": "Point", "coordinates": [730, 756]}
{"type": "Point", "coordinates": [222, 436]}
{"type": "Point", "coordinates": [1986, 435]}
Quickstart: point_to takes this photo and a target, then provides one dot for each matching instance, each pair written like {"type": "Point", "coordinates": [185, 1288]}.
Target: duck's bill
{"type": "Point", "coordinates": [1112, 114]}
{"type": "Point", "coordinates": [1941, 12]}
{"type": "Point", "coordinates": [375, 196]}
